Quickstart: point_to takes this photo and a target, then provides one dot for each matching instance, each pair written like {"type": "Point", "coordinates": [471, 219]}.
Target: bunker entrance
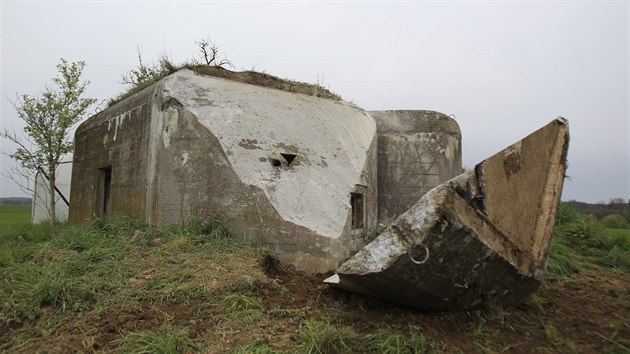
{"type": "Point", "coordinates": [356, 201]}
{"type": "Point", "coordinates": [104, 189]}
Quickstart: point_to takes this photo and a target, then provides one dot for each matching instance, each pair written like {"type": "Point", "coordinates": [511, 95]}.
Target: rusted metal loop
{"type": "Point", "coordinates": [426, 256]}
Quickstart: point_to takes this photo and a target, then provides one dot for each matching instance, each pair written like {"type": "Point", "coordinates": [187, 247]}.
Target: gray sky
{"type": "Point", "coordinates": [503, 69]}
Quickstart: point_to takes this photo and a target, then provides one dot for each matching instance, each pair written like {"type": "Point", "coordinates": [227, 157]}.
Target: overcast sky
{"type": "Point", "coordinates": [503, 69]}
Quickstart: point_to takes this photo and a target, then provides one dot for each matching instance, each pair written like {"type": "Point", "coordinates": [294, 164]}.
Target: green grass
{"type": "Point", "coordinates": [119, 266]}
{"type": "Point", "coordinates": [66, 267]}
{"type": "Point", "coordinates": [111, 266]}
{"type": "Point", "coordinates": [324, 337]}
{"type": "Point", "coordinates": [619, 233]}
{"type": "Point", "coordinates": [196, 286]}
{"type": "Point", "coordinates": [578, 240]}
{"type": "Point", "coordinates": [173, 342]}
{"type": "Point", "coordinates": [14, 214]}
{"type": "Point", "coordinates": [256, 347]}
{"type": "Point", "coordinates": [321, 336]}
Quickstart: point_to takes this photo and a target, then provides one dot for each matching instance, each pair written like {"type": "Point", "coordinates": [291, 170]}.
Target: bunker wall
{"type": "Point", "coordinates": [417, 150]}
{"type": "Point", "coordinates": [111, 155]}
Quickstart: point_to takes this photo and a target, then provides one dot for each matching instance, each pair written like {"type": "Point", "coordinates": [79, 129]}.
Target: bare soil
{"type": "Point", "coordinates": [590, 314]}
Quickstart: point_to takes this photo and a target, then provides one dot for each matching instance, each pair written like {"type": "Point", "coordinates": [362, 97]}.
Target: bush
{"type": "Point", "coordinates": [615, 221]}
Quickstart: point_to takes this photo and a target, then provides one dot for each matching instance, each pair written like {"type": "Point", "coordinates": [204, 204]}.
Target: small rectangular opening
{"type": "Point", "coordinates": [356, 201]}
{"type": "Point", "coordinates": [104, 190]}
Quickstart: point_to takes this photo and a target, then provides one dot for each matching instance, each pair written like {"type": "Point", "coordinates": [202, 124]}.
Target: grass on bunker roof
{"type": "Point", "coordinates": [124, 286]}
{"type": "Point", "coordinates": [248, 76]}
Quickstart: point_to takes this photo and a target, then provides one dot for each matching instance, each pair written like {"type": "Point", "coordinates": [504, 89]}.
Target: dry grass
{"type": "Point", "coordinates": [124, 286]}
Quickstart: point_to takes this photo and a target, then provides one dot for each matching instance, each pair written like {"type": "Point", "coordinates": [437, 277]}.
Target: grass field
{"type": "Point", "coordinates": [14, 214]}
{"type": "Point", "coordinates": [619, 233]}
{"type": "Point", "coordinates": [124, 286]}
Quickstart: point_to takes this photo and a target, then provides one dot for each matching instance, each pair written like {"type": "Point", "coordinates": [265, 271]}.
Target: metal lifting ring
{"type": "Point", "coordinates": [426, 257]}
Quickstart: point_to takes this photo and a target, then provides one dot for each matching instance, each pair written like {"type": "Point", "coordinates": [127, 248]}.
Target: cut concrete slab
{"type": "Point", "coordinates": [481, 238]}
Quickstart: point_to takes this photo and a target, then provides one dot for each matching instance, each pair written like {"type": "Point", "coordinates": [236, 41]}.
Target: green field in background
{"type": "Point", "coordinates": [619, 232]}
{"type": "Point", "coordinates": [14, 214]}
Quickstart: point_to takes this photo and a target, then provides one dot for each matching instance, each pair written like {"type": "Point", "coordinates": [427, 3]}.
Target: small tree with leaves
{"type": "Point", "coordinates": [48, 120]}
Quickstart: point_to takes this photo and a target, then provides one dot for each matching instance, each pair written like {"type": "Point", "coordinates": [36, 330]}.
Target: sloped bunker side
{"type": "Point", "coordinates": [480, 238]}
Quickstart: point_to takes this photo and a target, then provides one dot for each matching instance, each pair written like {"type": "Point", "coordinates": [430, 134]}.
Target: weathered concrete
{"type": "Point", "coordinates": [295, 172]}
{"type": "Point", "coordinates": [481, 238]}
{"type": "Point", "coordinates": [281, 168]}
{"type": "Point", "coordinates": [118, 138]}
{"type": "Point", "coordinates": [417, 150]}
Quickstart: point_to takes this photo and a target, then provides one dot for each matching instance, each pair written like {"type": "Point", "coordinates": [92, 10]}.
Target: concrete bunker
{"type": "Point", "coordinates": [295, 172]}
{"type": "Point", "coordinates": [307, 177]}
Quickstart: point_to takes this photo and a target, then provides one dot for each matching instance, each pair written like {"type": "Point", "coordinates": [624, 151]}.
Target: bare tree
{"type": "Point", "coordinates": [617, 201]}
{"type": "Point", "coordinates": [209, 53]}
{"type": "Point", "coordinates": [48, 120]}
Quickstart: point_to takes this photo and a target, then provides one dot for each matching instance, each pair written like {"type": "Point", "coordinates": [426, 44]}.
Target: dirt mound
{"type": "Point", "coordinates": [266, 80]}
